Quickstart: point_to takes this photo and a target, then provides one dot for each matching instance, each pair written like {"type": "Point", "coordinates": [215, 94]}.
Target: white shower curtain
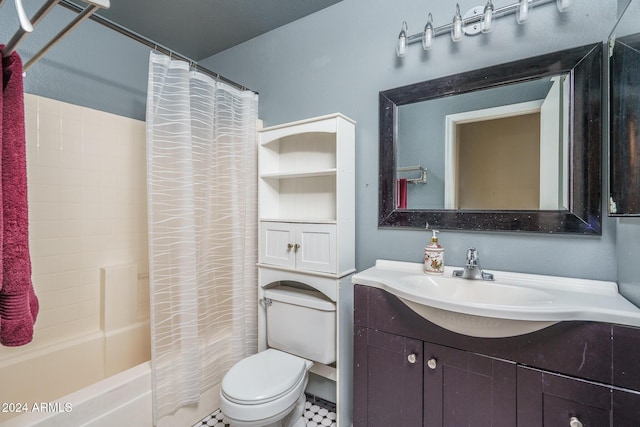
{"type": "Point", "coordinates": [202, 203]}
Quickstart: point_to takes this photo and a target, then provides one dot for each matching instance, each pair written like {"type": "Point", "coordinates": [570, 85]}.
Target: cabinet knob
{"type": "Point", "coordinates": [289, 246]}
{"type": "Point", "coordinates": [575, 422]}
{"type": "Point", "coordinates": [432, 363]}
{"type": "Point", "coordinates": [411, 358]}
{"type": "Point", "coordinates": [296, 247]}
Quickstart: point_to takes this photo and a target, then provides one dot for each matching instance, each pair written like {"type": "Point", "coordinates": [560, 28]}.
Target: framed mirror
{"type": "Point", "coordinates": [429, 175]}
{"type": "Point", "coordinates": [624, 93]}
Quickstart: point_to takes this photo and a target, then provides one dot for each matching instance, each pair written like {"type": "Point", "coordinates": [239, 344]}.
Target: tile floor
{"type": "Point", "coordinates": [318, 413]}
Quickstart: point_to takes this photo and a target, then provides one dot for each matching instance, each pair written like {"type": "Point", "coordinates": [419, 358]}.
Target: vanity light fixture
{"type": "Point", "coordinates": [563, 5]}
{"type": "Point", "coordinates": [487, 18]}
{"type": "Point", "coordinates": [427, 35]}
{"type": "Point", "coordinates": [479, 19]}
{"type": "Point", "coordinates": [401, 47]}
{"type": "Point", "coordinates": [456, 28]}
{"type": "Point", "coordinates": [522, 13]}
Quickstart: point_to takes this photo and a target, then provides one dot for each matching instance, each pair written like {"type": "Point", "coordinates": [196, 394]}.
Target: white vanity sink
{"type": "Point", "coordinates": [513, 304]}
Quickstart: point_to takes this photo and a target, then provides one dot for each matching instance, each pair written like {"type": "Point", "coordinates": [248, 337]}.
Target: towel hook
{"type": "Point", "coordinates": [22, 17]}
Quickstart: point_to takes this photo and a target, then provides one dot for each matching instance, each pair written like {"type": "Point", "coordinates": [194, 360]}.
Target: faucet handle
{"type": "Point", "coordinates": [486, 276]}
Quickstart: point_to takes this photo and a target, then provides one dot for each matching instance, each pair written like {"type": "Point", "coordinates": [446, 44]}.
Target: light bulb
{"type": "Point", "coordinates": [401, 47]}
{"type": "Point", "coordinates": [487, 18]}
{"type": "Point", "coordinates": [427, 35]}
{"type": "Point", "coordinates": [522, 13]}
{"type": "Point", "coordinates": [456, 29]}
{"type": "Point", "coordinates": [563, 5]}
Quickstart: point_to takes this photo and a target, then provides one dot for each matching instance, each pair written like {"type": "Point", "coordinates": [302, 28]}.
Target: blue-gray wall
{"type": "Point", "coordinates": [338, 60]}
{"type": "Point", "coordinates": [93, 66]}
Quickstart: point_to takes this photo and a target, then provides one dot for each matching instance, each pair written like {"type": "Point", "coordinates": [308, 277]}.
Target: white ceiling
{"type": "Point", "coordinates": [198, 29]}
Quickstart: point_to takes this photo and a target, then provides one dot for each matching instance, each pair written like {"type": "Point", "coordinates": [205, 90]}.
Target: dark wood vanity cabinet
{"type": "Point", "coordinates": [410, 372]}
{"type": "Point", "coordinates": [412, 383]}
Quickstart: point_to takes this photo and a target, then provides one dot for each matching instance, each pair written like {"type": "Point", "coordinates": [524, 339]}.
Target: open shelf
{"type": "Point", "coordinates": [304, 174]}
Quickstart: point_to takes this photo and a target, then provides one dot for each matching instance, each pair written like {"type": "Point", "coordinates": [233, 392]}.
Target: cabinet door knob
{"type": "Point", "coordinates": [575, 422]}
{"type": "Point", "coordinates": [296, 247]}
{"type": "Point", "coordinates": [411, 358]}
{"type": "Point", "coordinates": [432, 363]}
{"type": "Point", "coordinates": [289, 246]}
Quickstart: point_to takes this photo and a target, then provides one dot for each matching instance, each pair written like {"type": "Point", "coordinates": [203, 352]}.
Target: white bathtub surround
{"type": "Point", "coordinates": [201, 169]}
{"type": "Point", "coordinates": [87, 210]}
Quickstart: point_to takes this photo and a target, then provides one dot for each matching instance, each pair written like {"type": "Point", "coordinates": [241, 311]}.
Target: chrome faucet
{"type": "Point", "coordinates": [472, 269]}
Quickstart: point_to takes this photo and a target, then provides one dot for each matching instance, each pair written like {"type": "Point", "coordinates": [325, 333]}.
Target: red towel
{"type": "Point", "coordinates": [18, 302]}
{"type": "Point", "coordinates": [401, 193]}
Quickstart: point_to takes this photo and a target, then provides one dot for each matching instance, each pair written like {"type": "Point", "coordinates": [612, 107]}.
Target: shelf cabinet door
{"type": "Point", "coordinates": [467, 389]}
{"type": "Point", "coordinates": [550, 400]}
{"type": "Point", "coordinates": [299, 246]}
{"type": "Point", "coordinates": [387, 380]}
{"type": "Point", "coordinates": [316, 249]}
{"type": "Point", "coordinates": [277, 244]}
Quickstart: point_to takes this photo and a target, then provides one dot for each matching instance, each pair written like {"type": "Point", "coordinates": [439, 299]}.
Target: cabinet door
{"type": "Point", "coordinates": [387, 380]}
{"type": "Point", "coordinates": [277, 244]}
{"type": "Point", "coordinates": [466, 389]}
{"type": "Point", "coordinates": [549, 400]}
{"type": "Point", "coordinates": [626, 408]}
{"type": "Point", "coordinates": [316, 250]}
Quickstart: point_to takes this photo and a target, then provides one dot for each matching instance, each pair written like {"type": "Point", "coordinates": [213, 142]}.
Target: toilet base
{"type": "Point", "coordinates": [292, 419]}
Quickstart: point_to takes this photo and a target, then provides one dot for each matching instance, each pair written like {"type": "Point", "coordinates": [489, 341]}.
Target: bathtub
{"type": "Point", "coordinates": [123, 399]}
{"type": "Point", "coordinates": [33, 381]}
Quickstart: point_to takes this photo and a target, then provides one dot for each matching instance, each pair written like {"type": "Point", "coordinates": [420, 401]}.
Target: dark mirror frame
{"type": "Point", "coordinates": [584, 66]}
{"type": "Point", "coordinates": [624, 111]}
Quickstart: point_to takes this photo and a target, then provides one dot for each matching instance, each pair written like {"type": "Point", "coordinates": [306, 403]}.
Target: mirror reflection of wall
{"type": "Point", "coordinates": [498, 164]}
{"type": "Point", "coordinates": [464, 173]}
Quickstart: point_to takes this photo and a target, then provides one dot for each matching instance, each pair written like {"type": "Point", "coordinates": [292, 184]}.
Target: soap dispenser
{"type": "Point", "coordinates": [434, 256]}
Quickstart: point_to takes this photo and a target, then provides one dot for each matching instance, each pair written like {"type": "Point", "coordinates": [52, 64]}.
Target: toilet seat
{"type": "Point", "coordinates": [263, 377]}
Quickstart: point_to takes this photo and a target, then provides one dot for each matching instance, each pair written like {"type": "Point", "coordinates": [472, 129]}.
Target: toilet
{"type": "Point", "coordinates": [267, 388]}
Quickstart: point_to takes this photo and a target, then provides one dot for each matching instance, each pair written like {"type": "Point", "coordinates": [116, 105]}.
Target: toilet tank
{"type": "Point", "coordinates": [301, 322]}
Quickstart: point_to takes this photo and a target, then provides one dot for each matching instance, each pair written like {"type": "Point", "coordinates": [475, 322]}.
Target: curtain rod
{"type": "Point", "coordinates": [153, 45]}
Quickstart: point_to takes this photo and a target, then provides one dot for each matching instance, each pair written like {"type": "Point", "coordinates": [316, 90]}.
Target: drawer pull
{"type": "Point", "coordinates": [296, 247]}
{"type": "Point", "coordinates": [432, 363]}
{"type": "Point", "coordinates": [411, 358]}
{"type": "Point", "coordinates": [575, 422]}
{"type": "Point", "coordinates": [289, 246]}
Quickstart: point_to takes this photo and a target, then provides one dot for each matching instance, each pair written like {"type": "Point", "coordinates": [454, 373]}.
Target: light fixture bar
{"type": "Point", "coordinates": [497, 13]}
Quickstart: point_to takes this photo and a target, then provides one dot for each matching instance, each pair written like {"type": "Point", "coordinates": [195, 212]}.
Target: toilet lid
{"type": "Point", "coordinates": [263, 377]}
